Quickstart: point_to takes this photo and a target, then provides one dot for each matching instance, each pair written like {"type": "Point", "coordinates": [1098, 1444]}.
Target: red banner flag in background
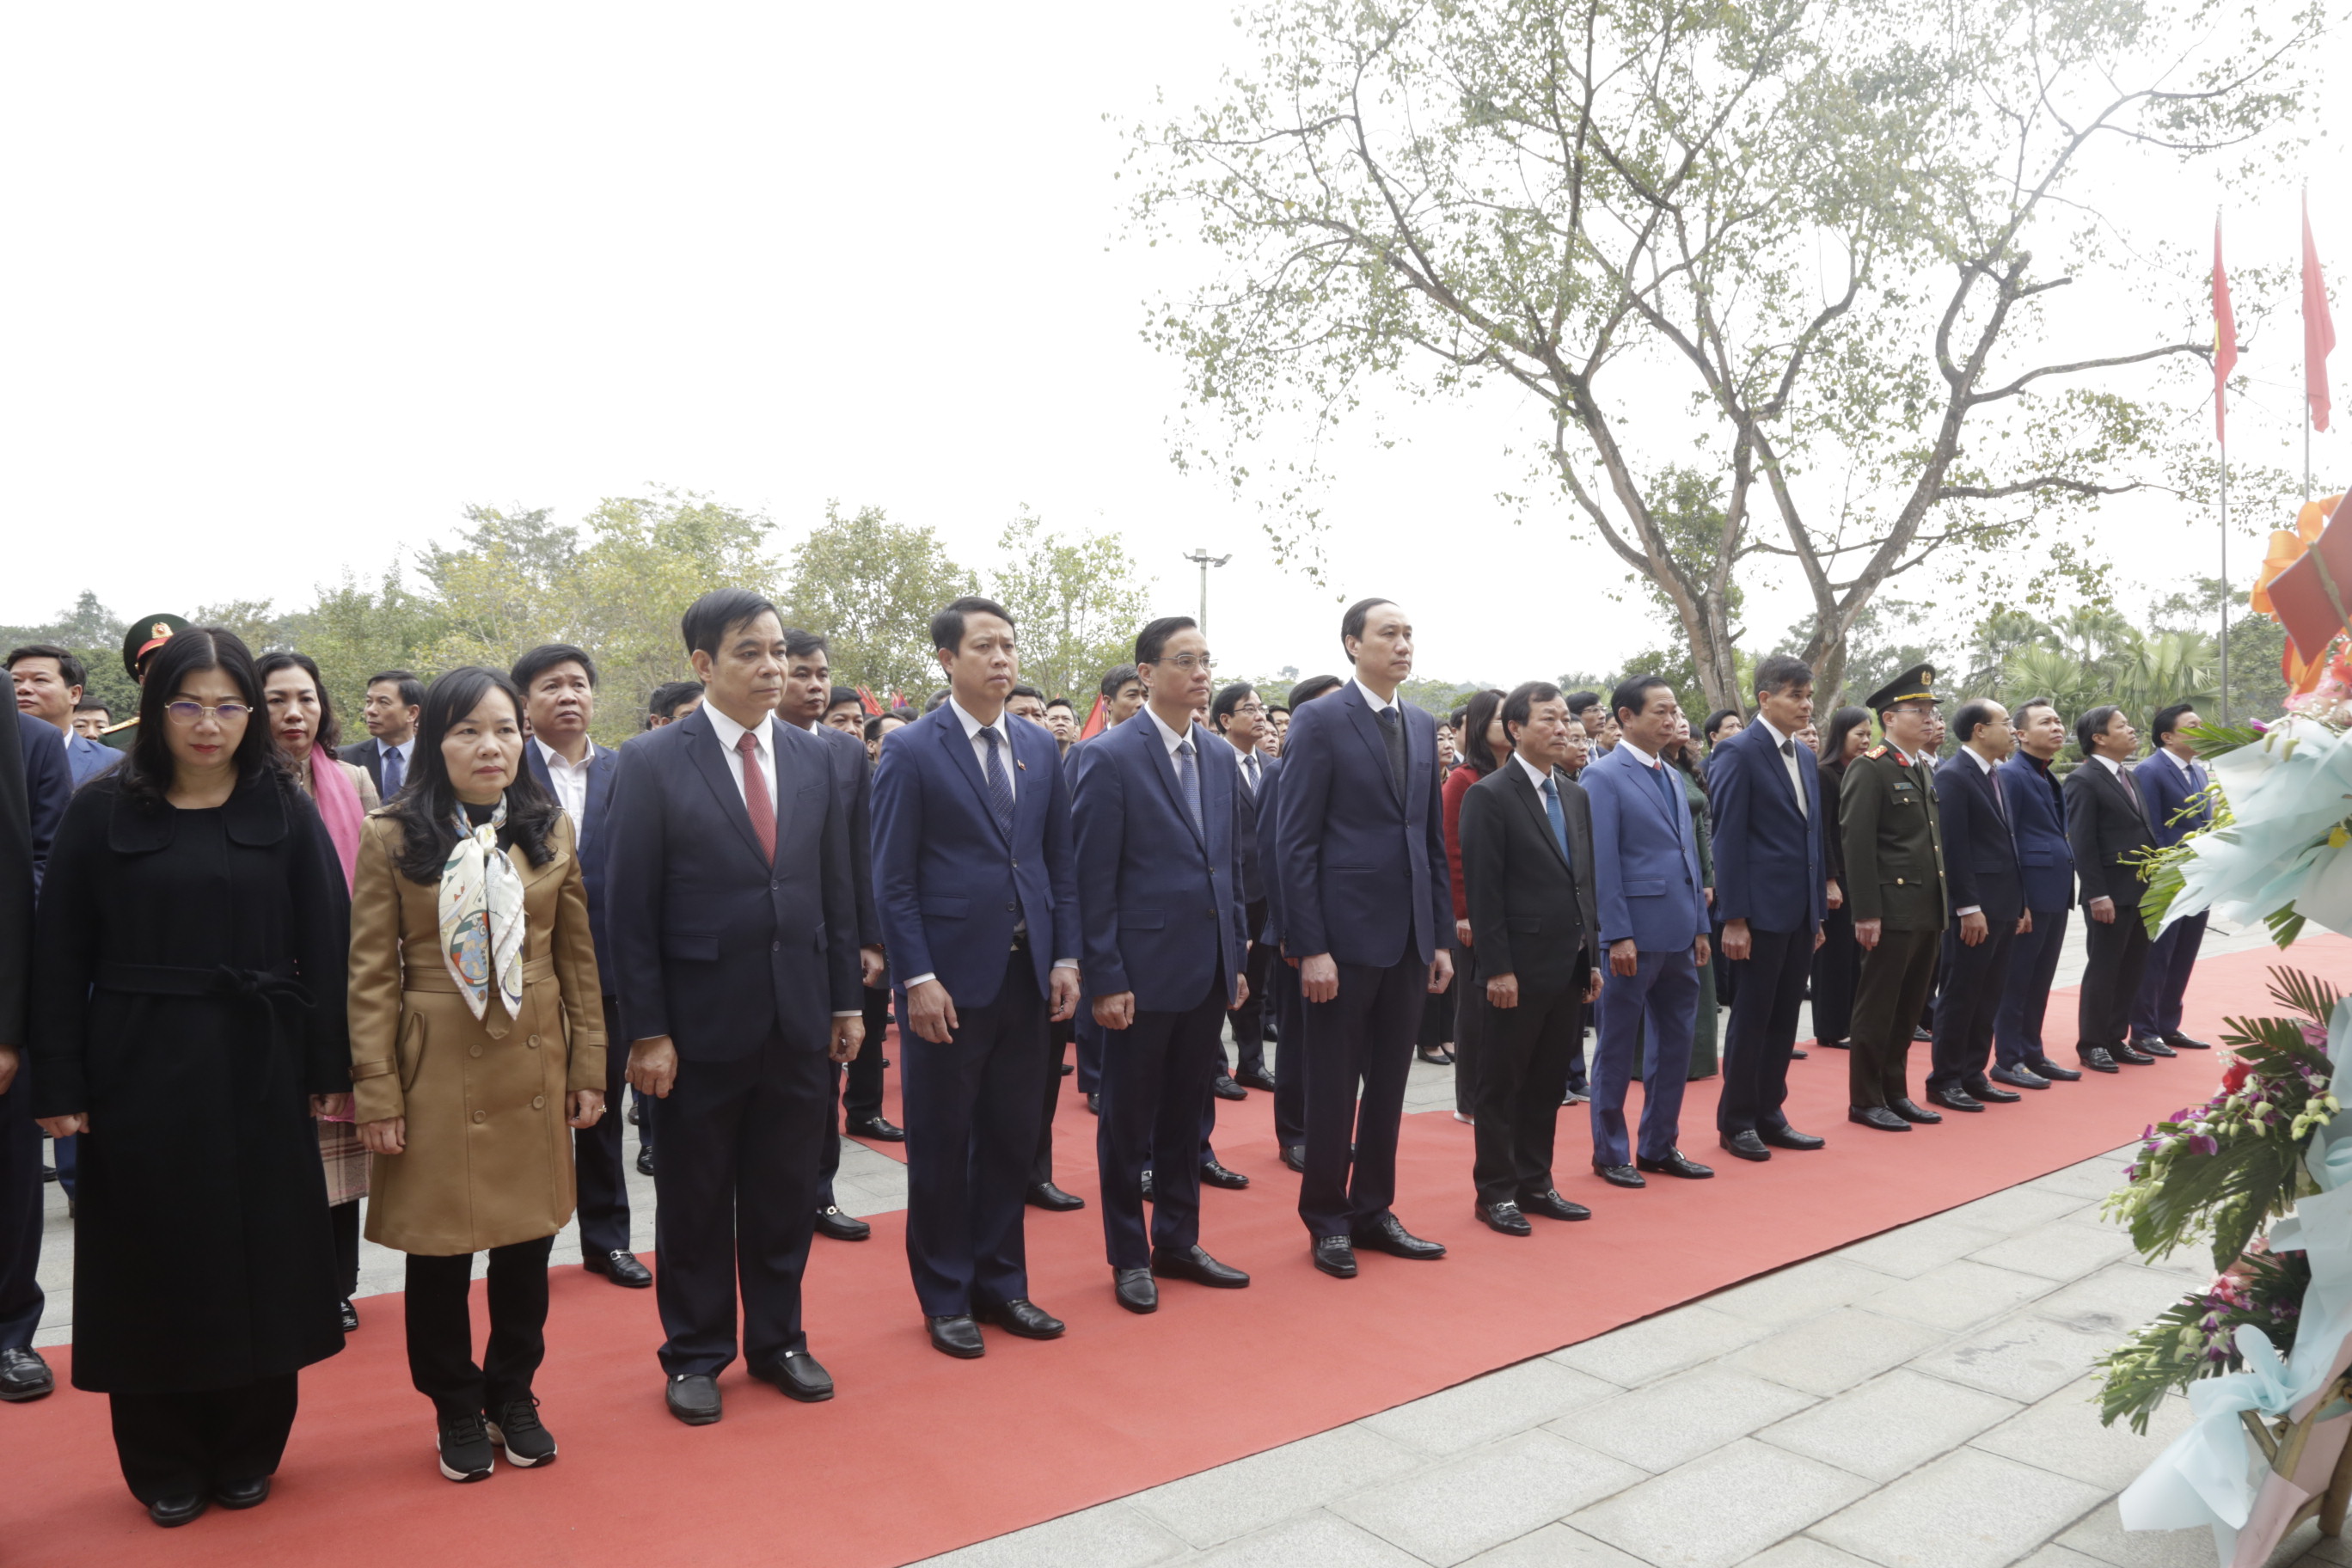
{"type": "Point", "coordinates": [2225, 341]}
{"type": "Point", "coordinates": [1094, 723]}
{"type": "Point", "coordinates": [2318, 327]}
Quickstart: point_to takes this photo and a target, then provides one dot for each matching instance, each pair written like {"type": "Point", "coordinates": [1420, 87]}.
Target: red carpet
{"type": "Point", "coordinates": [921, 1453]}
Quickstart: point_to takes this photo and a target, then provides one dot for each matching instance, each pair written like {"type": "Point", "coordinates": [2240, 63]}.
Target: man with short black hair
{"type": "Point", "coordinates": [395, 697]}
{"type": "Point", "coordinates": [49, 681]}
{"type": "Point", "coordinates": [1289, 1002]}
{"type": "Point", "coordinates": [1027, 702]}
{"type": "Point", "coordinates": [672, 700]}
{"type": "Point", "coordinates": [1123, 695]}
{"type": "Point", "coordinates": [1277, 720]}
{"type": "Point", "coordinates": [1987, 896]}
{"type": "Point", "coordinates": [846, 711]}
{"type": "Point", "coordinates": [1587, 709]}
{"type": "Point", "coordinates": [1238, 716]}
{"type": "Point", "coordinates": [2037, 816]}
{"type": "Point", "coordinates": [2172, 786]}
{"type": "Point", "coordinates": [34, 785]}
{"type": "Point", "coordinates": [2107, 822]}
{"type": "Point", "coordinates": [91, 718]}
{"type": "Point", "coordinates": [1062, 718]}
{"type": "Point", "coordinates": [1895, 885]}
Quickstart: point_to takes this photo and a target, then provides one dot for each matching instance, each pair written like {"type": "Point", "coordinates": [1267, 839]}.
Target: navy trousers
{"type": "Point", "coordinates": [2164, 984]}
{"type": "Point", "coordinates": [1156, 1093]}
{"type": "Point", "coordinates": [1358, 1054]}
{"type": "Point", "coordinates": [1770, 990]}
{"type": "Point", "coordinates": [1664, 991]}
{"type": "Point", "coordinates": [2025, 993]}
{"type": "Point", "coordinates": [1289, 1057]}
{"type": "Point", "coordinates": [1975, 979]}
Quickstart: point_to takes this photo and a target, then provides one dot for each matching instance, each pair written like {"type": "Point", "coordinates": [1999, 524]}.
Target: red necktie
{"type": "Point", "coordinates": [755, 795]}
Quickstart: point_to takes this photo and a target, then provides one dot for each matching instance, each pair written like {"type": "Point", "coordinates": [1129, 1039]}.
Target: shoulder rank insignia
{"type": "Point", "coordinates": [1877, 751]}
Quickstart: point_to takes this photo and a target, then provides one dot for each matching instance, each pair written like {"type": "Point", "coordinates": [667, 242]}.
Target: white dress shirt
{"type": "Point", "coordinates": [1171, 739]}
{"type": "Point", "coordinates": [570, 781]}
{"type": "Point", "coordinates": [1373, 700]}
{"type": "Point", "coordinates": [1789, 758]}
{"type": "Point", "coordinates": [763, 744]}
{"type": "Point", "coordinates": [1541, 776]}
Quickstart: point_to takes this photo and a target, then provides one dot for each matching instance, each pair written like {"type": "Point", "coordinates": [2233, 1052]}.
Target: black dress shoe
{"type": "Point", "coordinates": [1982, 1088]}
{"type": "Point", "coordinates": [1876, 1116]}
{"type": "Point", "coordinates": [1217, 1175]}
{"type": "Point", "coordinates": [173, 1511]}
{"type": "Point", "coordinates": [644, 1161]}
{"type": "Point", "coordinates": [1068, 1068]}
{"type": "Point", "coordinates": [1505, 1218]}
{"type": "Point", "coordinates": [48, 1173]}
{"type": "Point", "coordinates": [800, 1377]}
{"type": "Point", "coordinates": [2019, 1076]}
{"type": "Point", "coordinates": [1922, 1037]}
{"type": "Point", "coordinates": [1675, 1164]}
{"type": "Point", "coordinates": [620, 1266]}
{"type": "Point", "coordinates": [1440, 1057]}
{"type": "Point", "coordinates": [1744, 1145]}
{"type": "Point", "coordinates": [1255, 1077]}
{"type": "Point", "coordinates": [347, 1317]}
{"type": "Point", "coordinates": [242, 1494]}
{"type": "Point", "coordinates": [2043, 1067]}
{"type": "Point", "coordinates": [1025, 1319]}
{"type": "Point", "coordinates": [2095, 1058]}
{"type": "Point", "coordinates": [1294, 1156]}
{"type": "Point", "coordinates": [1619, 1175]}
{"type": "Point", "coordinates": [1798, 1054]}
{"type": "Point", "coordinates": [2180, 1042]}
{"type": "Point", "coordinates": [1194, 1263]}
{"type": "Point", "coordinates": [877, 1130]}
{"type": "Point", "coordinates": [1135, 1289]}
{"type": "Point", "coordinates": [1551, 1205]}
{"type": "Point", "coordinates": [1336, 1256]}
{"type": "Point", "coordinates": [1224, 1088]}
{"type": "Point", "coordinates": [1094, 1105]}
{"type": "Point", "coordinates": [958, 1337]}
{"type": "Point", "coordinates": [2153, 1048]}
{"type": "Point", "coordinates": [1046, 1195]}
{"type": "Point", "coordinates": [1389, 1235]}
{"type": "Point", "coordinates": [634, 1108]}
{"type": "Point", "coordinates": [1911, 1110]}
{"type": "Point", "coordinates": [2138, 1057]}
{"type": "Point", "coordinates": [1576, 1097]}
{"type": "Point", "coordinates": [25, 1375]}
{"type": "Point", "coordinates": [1789, 1138]}
{"type": "Point", "coordinates": [1953, 1100]}
{"type": "Point", "coordinates": [840, 1226]}
{"type": "Point", "coordinates": [693, 1398]}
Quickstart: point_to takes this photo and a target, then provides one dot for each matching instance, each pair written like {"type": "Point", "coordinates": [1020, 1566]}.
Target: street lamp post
{"type": "Point", "coordinates": [1203, 560]}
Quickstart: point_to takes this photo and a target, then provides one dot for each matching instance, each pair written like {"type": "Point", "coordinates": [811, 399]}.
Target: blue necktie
{"type": "Point", "coordinates": [392, 770]}
{"type": "Point", "coordinates": [1559, 820]}
{"type": "Point", "coordinates": [999, 786]}
{"type": "Point", "coordinates": [1188, 782]}
{"type": "Point", "coordinates": [1666, 782]}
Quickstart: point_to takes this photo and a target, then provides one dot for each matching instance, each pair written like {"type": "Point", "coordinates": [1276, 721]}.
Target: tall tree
{"type": "Point", "coordinates": [1076, 604]}
{"type": "Point", "coordinates": [1818, 215]}
{"type": "Point", "coordinates": [871, 586]}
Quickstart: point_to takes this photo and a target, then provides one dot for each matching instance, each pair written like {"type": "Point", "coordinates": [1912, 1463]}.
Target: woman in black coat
{"type": "Point", "coordinates": [189, 961]}
{"type": "Point", "coordinates": [1838, 960]}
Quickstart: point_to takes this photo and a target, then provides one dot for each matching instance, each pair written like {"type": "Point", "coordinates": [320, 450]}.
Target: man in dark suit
{"type": "Point", "coordinates": [733, 929]}
{"type": "Point", "coordinates": [2045, 865]}
{"type": "Point", "coordinates": [559, 687]}
{"type": "Point", "coordinates": [1121, 691]}
{"type": "Point", "coordinates": [1771, 893]}
{"type": "Point", "coordinates": [2108, 827]}
{"type": "Point", "coordinates": [1289, 1002]}
{"type": "Point", "coordinates": [2172, 786]}
{"type": "Point", "coordinates": [1526, 877]}
{"type": "Point", "coordinates": [1986, 895]}
{"type": "Point", "coordinates": [1894, 871]}
{"type": "Point", "coordinates": [1654, 923]}
{"type": "Point", "coordinates": [976, 876]}
{"type": "Point", "coordinates": [1159, 819]}
{"type": "Point", "coordinates": [1368, 915]}
{"type": "Point", "coordinates": [395, 699]}
{"type": "Point", "coordinates": [49, 681]}
{"type": "Point", "coordinates": [35, 782]}
{"type": "Point", "coordinates": [1239, 718]}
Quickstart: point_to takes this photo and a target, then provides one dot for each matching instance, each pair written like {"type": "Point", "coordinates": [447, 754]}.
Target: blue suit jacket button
{"type": "Point", "coordinates": [775, 947]}
{"type": "Point", "coordinates": [1012, 909]}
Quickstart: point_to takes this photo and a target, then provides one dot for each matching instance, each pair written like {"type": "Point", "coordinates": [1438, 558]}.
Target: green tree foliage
{"type": "Point", "coordinates": [355, 631]}
{"type": "Point", "coordinates": [871, 586]}
{"type": "Point", "coordinates": [1076, 604]}
{"type": "Point", "coordinates": [94, 633]}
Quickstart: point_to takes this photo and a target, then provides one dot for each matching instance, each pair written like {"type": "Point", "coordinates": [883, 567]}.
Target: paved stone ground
{"type": "Point", "coordinates": [1917, 1400]}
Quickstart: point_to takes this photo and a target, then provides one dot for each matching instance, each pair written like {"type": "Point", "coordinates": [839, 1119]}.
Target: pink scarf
{"type": "Point", "coordinates": [339, 808]}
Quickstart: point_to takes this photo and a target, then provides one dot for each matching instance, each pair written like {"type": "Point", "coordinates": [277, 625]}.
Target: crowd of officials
{"type": "Point", "coordinates": [249, 977]}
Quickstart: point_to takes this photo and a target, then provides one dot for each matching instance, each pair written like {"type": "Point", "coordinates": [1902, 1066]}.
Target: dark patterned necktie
{"type": "Point", "coordinates": [1393, 733]}
{"type": "Point", "coordinates": [999, 783]}
{"type": "Point", "coordinates": [1188, 781]}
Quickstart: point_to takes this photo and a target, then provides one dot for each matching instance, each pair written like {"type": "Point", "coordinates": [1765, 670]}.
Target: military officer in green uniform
{"type": "Point", "coordinates": [1894, 888]}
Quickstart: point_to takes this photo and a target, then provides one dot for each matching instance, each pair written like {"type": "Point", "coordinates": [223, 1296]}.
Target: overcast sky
{"type": "Point", "coordinates": [287, 287]}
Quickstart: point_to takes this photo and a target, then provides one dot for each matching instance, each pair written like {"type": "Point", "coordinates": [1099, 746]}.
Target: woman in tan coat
{"type": "Point", "coordinates": [477, 1040]}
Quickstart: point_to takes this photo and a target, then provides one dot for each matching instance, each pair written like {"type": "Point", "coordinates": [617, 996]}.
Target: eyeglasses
{"type": "Point", "coordinates": [189, 712]}
{"type": "Point", "coordinates": [1189, 662]}
{"type": "Point", "coordinates": [1249, 707]}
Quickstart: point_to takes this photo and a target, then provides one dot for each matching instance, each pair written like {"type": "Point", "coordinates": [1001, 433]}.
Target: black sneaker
{"type": "Point", "coordinates": [515, 1428]}
{"type": "Point", "coordinates": [465, 1449]}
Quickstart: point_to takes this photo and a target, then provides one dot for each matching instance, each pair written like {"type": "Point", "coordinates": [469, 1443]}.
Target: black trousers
{"type": "Point", "coordinates": [1437, 1019]}
{"type": "Point", "coordinates": [20, 1218]}
{"type": "Point", "coordinates": [1770, 990]}
{"type": "Point", "coordinates": [1470, 1033]}
{"type": "Point", "coordinates": [1358, 1054]}
{"type": "Point", "coordinates": [1058, 1039]}
{"type": "Point", "coordinates": [1974, 980]}
{"type": "Point", "coordinates": [971, 1140]}
{"type": "Point", "coordinates": [1289, 1056]}
{"type": "Point", "coordinates": [598, 1159]}
{"type": "Point", "coordinates": [441, 1330]}
{"type": "Point", "coordinates": [1887, 996]}
{"type": "Point", "coordinates": [2025, 997]}
{"type": "Point", "coordinates": [1835, 963]}
{"type": "Point", "coordinates": [1523, 1056]}
{"type": "Point", "coordinates": [183, 1444]}
{"type": "Point", "coordinates": [2117, 960]}
{"type": "Point", "coordinates": [345, 1220]}
{"type": "Point", "coordinates": [1249, 1019]}
{"type": "Point", "coordinates": [1089, 1036]}
{"type": "Point", "coordinates": [858, 1088]}
{"type": "Point", "coordinates": [1157, 1074]}
{"type": "Point", "coordinates": [735, 1191]}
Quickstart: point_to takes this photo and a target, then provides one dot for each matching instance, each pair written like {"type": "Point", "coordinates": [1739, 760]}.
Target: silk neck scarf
{"type": "Point", "coordinates": [482, 918]}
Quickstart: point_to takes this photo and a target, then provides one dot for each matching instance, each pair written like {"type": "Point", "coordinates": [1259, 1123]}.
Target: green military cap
{"type": "Point", "coordinates": [147, 634]}
{"type": "Point", "coordinates": [1914, 684]}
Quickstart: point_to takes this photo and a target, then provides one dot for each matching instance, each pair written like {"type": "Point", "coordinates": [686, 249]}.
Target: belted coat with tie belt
{"type": "Point", "coordinates": [489, 1158]}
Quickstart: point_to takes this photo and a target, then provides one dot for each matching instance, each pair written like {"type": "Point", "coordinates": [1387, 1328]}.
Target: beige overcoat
{"type": "Point", "coordinates": [489, 1158]}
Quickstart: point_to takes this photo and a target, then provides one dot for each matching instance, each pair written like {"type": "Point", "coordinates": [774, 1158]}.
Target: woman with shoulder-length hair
{"type": "Point", "coordinates": [477, 1038]}
{"type": "Point", "coordinates": [302, 721]}
{"type": "Point", "coordinates": [188, 1020]}
{"type": "Point", "coordinates": [1838, 960]}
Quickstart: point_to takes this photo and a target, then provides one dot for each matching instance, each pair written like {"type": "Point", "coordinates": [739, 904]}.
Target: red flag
{"type": "Point", "coordinates": [1095, 724]}
{"type": "Point", "coordinates": [2318, 328]}
{"type": "Point", "coordinates": [2225, 340]}
{"type": "Point", "coordinates": [866, 701]}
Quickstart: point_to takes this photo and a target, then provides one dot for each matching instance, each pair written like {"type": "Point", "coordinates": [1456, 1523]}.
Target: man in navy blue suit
{"type": "Point", "coordinates": [1288, 1003]}
{"type": "Point", "coordinates": [35, 782]}
{"type": "Point", "coordinates": [976, 877]}
{"type": "Point", "coordinates": [1653, 923]}
{"type": "Point", "coordinates": [1239, 718]}
{"type": "Point", "coordinates": [1771, 893]}
{"type": "Point", "coordinates": [2172, 782]}
{"type": "Point", "coordinates": [1368, 915]}
{"type": "Point", "coordinates": [2045, 867]}
{"type": "Point", "coordinates": [1987, 900]}
{"type": "Point", "coordinates": [559, 685]}
{"type": "Point", "coordinates": [1160, 815]}
{"type": "Point", "coordinates": [733, 931]}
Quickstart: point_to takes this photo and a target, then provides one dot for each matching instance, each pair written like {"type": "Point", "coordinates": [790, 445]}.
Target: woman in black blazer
{"type": "Point", "coordinates": [1837, 960]}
